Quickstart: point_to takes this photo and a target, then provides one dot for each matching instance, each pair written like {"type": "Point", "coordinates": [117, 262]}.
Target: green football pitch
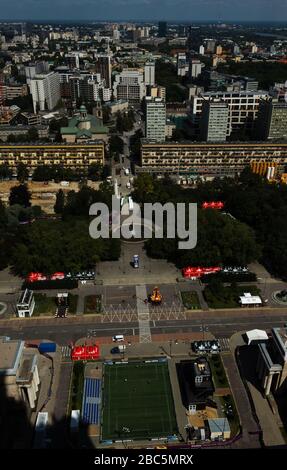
{"type": "Point", "coordinates": [137, 401]}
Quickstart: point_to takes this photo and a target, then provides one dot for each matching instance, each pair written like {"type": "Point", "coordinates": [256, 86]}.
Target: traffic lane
{"type": "Point", "coordinates": [70, 333]}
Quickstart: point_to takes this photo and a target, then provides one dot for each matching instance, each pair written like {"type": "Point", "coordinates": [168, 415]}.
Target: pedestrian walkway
{"type": "Point", "coordinates": [143, 314]}
{"type": "Point", "coordinates": [224, 344]}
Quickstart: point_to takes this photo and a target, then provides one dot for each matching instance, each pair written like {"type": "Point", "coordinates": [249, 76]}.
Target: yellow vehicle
{"type": "Point", "coordinates": [155, 298]}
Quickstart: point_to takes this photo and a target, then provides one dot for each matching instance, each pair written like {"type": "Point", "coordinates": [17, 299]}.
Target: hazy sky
{"type": "Point", "coordinates": [187, 10]}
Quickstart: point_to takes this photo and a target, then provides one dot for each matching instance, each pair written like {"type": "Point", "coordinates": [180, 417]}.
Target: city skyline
{"type": "Point", "coordinates": [141, 10]}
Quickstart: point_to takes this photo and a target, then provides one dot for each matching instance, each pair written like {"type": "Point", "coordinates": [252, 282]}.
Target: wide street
{"type": "Point", "coordinates": [63, 331]}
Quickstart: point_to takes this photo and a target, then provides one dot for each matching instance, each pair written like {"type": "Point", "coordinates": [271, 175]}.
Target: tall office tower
{"type": "Point", "coordinates": [45, 90]}
{"type": "Point", "coordinates": [236, 49]}
{"type": "Point", "coordinates": [116, 34]}
{"type": "Point", "coordinates": [189, 51]}
{"type": "Point", "coordinates": [214, 121]}
{"type": "Point", "coordinates": [201, 50]}
{"type": "Point", "coordinates": [103, 66]}
{"type": "Point", "coordinates": [146, 30]}
{"type": "Point", "coordinates": [162, 29]}
{"type": "Point", "coordinates": [218, 50]}
{"type": "Point", "coordinates": [129, 86]}
{"type": "Point", "coordinates": [196, 67]}
{"type": "Point", "coordinates": [271, 120]}
{"type": "Point", "coordinates": [210, 46]}
{"type": "Point", "coordinates": [182, 64]}
{"type": "Point", "coordinates": [182, 30]}
{"type": "Point", "coordinates": [35, 69]}
{"type": "Point", "coordinates": [149, 73]}
{"type": "Point", "coordinates": [155, 119]}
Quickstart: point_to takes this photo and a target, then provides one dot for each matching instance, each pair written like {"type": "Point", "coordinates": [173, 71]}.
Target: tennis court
{"type": "Point", "coordinates": [137, 401]}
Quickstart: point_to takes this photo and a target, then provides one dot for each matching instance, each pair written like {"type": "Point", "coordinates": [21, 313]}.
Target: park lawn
{"type": "Point", "coordinates": [218, 373]}
{"type": "Point", "coordinates": [93, 304]}
{"type": "Point", "coordinates": [227, 297]}
{"type": "Point", "coordinates": [44, 305]}
{"type": "Point", "coordinates": [138, 401]}
{"type": "Point", "coordinates": [190, 300]}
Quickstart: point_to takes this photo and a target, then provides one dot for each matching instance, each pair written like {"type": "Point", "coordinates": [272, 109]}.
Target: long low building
{"type": "Point", "coordinates": [69, 156]}
{"type": "Point", "coordinates": [210, 159]}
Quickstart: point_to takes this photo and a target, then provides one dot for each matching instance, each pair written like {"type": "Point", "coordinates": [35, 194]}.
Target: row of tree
{"type": "Point", "coordinates": [220, 239]}
{"type": "Point", "coordinates": [33, 241]}
{"type": "Point", "coordinates": [257, 229]}
{"type": "Point", "coordinates": [95, 172]}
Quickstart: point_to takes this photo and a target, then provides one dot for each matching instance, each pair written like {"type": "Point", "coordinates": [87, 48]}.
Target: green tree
{"type": "Point", "coordinates": [95, 172]}
{"type": "Point", "coordinates": [143, 186]}
{"type": "Point", "coordinates": [20, 195]}
{"type": "Point", "coordinates": [5, 172]}
{"type": "Point", "coordinates": [22, 172]}
{"type": "Point", "coordinates": [116, 145]}
{"type": "Point", "coordinates": [60, 202]}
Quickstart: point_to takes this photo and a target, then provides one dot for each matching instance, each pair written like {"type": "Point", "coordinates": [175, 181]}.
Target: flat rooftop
{"type": "Point", "coordinates": [25, 371]}
{"type": "Point", "coordinates": [10, 354]}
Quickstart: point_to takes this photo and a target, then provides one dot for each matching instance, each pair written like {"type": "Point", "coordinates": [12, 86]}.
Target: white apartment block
{"type": "Point", "coordinates": [155, 119]}
{"type": "Point", "coordinates": [149, 73]}
{"type": "Point", "coordinates": [243, 107]}
{"type": "Point", "coordinates": [214, 121]}
{"type": "Point", "coordinates": [45, 90]}
{"type": "Point", "coordinates": [196, 68]}
{"type": "Point", "coordinates": [182, 64]}
{"type": "Point", "coordinates": [129, 86]}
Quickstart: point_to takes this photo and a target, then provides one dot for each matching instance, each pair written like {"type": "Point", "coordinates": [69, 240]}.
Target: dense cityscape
{"type": "Point", "coordinates": [125, 340]}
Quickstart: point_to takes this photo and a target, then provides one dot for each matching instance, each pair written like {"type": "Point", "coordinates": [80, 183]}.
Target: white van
{"type": "Point", "coordinates": [118, 338]}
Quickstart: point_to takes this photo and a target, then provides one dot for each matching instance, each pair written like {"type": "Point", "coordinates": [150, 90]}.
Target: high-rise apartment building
{"type": "Point", "coordinates": [129, 86]}
{"type": "Point", "coordinates": [45, 90]}
{"type": "Point", "coordinates": [155, 119]}
{"type": "Point", "coordinates": [272, 120]}
{"type": "Point", "coordinates": [149, 73]}
{"type": "Point", "coordinates": [214, 121]}
{"type": "Point", "coordinates": [243, 107]}
{"type": "Point", "coordinates": [196, 67]}
{"type": "Point", "coordinates": [182, 64]}
{"type": "Point", "coordinates": [104, 67]}
{"type": "Point", "coordinates": [201, 50]}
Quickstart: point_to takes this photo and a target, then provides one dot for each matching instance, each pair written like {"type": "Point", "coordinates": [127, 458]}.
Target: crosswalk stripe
{"type": "Point", "coordinates": [224, 343]}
